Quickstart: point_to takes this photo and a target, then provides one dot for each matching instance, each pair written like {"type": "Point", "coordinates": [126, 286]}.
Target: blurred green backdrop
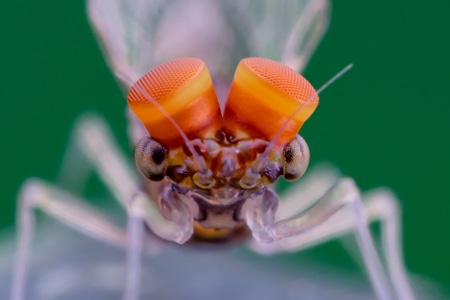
{"type": "Point", "coordinates": [386, 123]}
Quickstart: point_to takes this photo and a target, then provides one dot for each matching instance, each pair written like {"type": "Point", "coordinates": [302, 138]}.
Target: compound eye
{"type": "Point", "coordinates": [295, 158]}
{"type": "Point", "coordinates": [264, 96]}
{"type": "Point", "coordinates": [151, 158]}
{"type": "Point", "coordinates": [180, 91]}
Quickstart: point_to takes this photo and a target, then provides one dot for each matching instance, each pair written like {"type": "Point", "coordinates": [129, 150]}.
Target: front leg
{"type": "Point", "coordinates": [64, 207]}
{"type": "Point", "coordinates": [340, 210]}
{"type": "Point", "coordinates": [93, 147]}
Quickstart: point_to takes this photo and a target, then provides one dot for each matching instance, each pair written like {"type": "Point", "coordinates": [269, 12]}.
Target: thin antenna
{"type": "Point", "coordinates": [199, 160]}
{"type": "Point", "coordinates": [259, 163]}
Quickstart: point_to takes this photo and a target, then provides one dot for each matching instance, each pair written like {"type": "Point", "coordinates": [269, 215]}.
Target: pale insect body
{"type": "Point", "coordinates": [210, 163]}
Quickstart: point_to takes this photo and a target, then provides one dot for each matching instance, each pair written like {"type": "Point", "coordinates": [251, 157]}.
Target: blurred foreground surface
{"type": "Point", "coordinates": [67, 265]}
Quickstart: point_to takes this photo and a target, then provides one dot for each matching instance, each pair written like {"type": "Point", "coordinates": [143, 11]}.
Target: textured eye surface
{"type": "Point", "coordinates": [295, 158]}
{"type": "Point", "coordinates": [151, 158]}
{"type": "Point", "coordinates": [265, 94]}
{"type": "Point", "coordinates": [180, 90]}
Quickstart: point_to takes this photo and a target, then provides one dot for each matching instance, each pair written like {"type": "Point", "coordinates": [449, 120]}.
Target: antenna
{"type": "Point", "coordinates": [259, 162]}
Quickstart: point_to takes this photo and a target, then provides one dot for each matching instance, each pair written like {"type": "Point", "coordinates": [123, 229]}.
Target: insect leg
{"type": "Point", "coordinates": [97, 144]}
{"type": "Point", "coordinates": [339, 211]}
{"type": "Point", "coordinates": [135, 233]}
{"type": "Point", "coordinates": [305, 192]}
{"type": "Point", "coordinates": [92, 139]}
{"type": "Point", "coordinates": [64, 207]}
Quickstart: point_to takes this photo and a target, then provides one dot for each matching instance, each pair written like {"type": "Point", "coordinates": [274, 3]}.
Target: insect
{"type": "Point", "coordinates": [209, 165]}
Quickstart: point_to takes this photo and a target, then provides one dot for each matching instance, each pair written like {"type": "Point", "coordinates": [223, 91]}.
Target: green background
{"type": "Point", "coordinates": [386, 123]}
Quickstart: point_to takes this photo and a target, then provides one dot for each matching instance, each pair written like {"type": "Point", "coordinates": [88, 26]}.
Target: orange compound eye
{"type": "Point", "coordinates": [264, 95]}
{"type": "Point", "coordinates": [184, 90]}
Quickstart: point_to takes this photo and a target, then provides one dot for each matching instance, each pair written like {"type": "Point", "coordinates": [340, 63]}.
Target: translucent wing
{"type": "Point", "coordinates": [137, 35]}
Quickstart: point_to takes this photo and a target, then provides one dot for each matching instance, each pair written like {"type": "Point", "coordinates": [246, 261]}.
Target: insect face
{"type": "Point", "coordinates": [260, 111]}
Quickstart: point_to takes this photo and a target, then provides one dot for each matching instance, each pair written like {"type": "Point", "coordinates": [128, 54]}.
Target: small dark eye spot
{"type": "Point", "coordinates": [296, 158]}
{"type": "Point", "coordinates": [158, 155]}
{"type": "Point", "coordinates": [151, 158]}
{"type": "Point", "coordinates": [288, 155]}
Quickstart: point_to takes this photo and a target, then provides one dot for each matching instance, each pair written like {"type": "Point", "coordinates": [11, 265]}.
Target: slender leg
{"type": "Point", "coordinates": [92, 141]}
{"type": "Point", "coordinates": [339, 211]}
{"type": "Point", "coordinates": [66, 208]}
{"type": "Point", "coordinates": [382, 205]}
{"type": "Point", "coordinates": [141, 210]}
{"type": "Point", "coordinates": [95, 141]}
{"type": "Point", "coordinates": [135, 231]}
{"type": "Point", "coordinates": [313, 185]}
{"type": "Point", "coordinates": [97, 144]}
{"type": "Point", "coordinates": [91, 146]}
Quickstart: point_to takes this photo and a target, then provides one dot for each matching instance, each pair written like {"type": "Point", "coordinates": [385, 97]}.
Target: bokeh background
{"type": "Point", "coordinates": [386, 123]}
